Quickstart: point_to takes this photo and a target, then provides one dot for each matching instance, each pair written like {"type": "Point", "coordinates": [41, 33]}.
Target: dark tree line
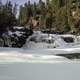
{"type": "Point", "coordinates": [54, 14]}
{"type": "Point", "coordinates": [7, 15]}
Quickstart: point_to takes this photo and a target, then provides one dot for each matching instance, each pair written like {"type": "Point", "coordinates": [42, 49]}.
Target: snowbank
{"type": "Point", "coordinates": [35, 55]}
{"type": "Point", "coordinates": [21, 55]}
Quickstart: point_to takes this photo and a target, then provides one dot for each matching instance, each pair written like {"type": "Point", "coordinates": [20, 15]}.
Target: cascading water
{"type": "Point", "coordinates": [41, 40]}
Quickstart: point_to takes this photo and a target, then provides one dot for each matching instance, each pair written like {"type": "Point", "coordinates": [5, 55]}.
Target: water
{"type": "Point", "coordinates": [40, 40]}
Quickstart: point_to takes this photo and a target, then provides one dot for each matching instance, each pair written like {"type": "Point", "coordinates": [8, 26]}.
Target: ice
{"type": "Point", "coordinates": [21, 55]}
{"type": "Point", "coordinates": [41, 40]}
{"type": "Point", "coordinates": [41, 47]}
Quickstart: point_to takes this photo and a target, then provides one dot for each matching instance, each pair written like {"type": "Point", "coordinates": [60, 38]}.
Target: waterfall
{"type": "Point", "coordinates": [41, 40]}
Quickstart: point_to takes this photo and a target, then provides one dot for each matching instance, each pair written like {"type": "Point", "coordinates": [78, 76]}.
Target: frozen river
{"type": "Point", "coordinates": [20, 64]}
{"type": "Point", "coordinates": [39, 71]}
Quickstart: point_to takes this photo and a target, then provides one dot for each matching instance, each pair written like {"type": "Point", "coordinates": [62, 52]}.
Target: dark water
{"type": "Point", "coordinates": [39, 71]}
{"type": "Point", "coordinates": [70, 55]}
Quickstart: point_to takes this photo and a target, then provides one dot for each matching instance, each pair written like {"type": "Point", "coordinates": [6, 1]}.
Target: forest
{"type": "Point", "coordinates": [61, 16]}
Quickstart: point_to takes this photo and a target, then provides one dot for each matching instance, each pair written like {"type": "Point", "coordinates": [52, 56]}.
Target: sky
{"type": "Point", "coordinates": [19, 2]}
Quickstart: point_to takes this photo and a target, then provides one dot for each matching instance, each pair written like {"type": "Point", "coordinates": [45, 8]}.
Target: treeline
{"type": "Point", "coordinates": [7, 15]}
{"type": "Point", "coordinates": [57, 15]}
{"type": "Point", "coordinates": [41, 12]}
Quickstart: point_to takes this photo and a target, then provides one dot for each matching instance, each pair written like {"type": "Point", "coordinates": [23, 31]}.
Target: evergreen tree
{"type": "Point", "coordinates": [7, 19]}
{"type": "Point", "coordinates": [15, 9]}
{"type": "Point", "coordinates": [1, 6]}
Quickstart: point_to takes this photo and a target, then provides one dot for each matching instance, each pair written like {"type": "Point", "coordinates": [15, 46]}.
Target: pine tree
{"type": "Point", "coordinates": [7, 19]}
{"type": "Point", "coordinates": [1, 6]}
{"type": "Point", "coordinates": [15, 9]}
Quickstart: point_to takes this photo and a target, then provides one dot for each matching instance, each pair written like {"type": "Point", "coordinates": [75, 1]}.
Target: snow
{"type": "Point", "coordinates": [36, 55]}
{"type": "Point", "coordinates": [40, 49]}
{"type": "Point", "coordinates": [21, 55]}
{"type": "Point", "coordinates": [18, 33]}
{"type": "Point", "coordinates": [17, 27]}
{"type": "Point", "coordinates": [41, 40]}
